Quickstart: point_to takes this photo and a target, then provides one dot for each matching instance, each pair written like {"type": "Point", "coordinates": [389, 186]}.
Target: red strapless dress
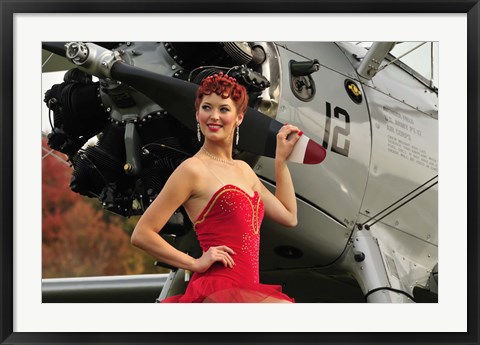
{"type": "Point", "coordinates": [231, 218]}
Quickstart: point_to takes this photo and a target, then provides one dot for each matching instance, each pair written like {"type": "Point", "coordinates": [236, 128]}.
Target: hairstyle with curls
{"type": "Point", "coordinates": [225, 87]}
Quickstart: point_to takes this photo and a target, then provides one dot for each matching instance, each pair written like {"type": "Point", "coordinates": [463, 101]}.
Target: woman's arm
{"type": "Point", "coordinates": [282, 207]}
{"type": "Point", "coordinates": [177, 190]}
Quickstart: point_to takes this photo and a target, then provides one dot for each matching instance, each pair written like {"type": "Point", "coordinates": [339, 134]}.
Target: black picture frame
{"type": "Point", "coordinates": [10, 7]}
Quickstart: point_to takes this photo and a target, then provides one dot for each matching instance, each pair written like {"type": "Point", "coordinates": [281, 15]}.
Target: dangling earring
{"type": "Point", "coordinates": [199, 134]}
{"type": "Point", "coordinates": [238, 135]}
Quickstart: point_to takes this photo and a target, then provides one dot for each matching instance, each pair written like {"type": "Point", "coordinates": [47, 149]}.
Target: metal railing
{"type": "Point", "coordinates": [143, 288]}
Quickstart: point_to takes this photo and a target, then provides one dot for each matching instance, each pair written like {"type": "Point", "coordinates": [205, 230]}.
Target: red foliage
{"type": "Point", "coordinates": [89, 247]}
{"type": "Point", "coordinates": [76, 239]}
{"type": "Point", "coordinates": [57, 197]}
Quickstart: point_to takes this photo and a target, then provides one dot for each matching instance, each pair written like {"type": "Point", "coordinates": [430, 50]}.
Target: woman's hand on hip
{"type": "Point", "coordinates": [222, 254]}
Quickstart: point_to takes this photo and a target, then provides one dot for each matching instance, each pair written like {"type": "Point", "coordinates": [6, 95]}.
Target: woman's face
{"type": "Point", "coordinates": [218, 117]}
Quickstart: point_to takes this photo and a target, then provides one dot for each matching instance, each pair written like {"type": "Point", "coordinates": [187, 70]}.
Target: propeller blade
{"type": "Point", "coordinates": [173, 95]}
{"type": "Point", "coordinates": [258, 131]}
{"type": "Point", "coordinates": [55, 47]}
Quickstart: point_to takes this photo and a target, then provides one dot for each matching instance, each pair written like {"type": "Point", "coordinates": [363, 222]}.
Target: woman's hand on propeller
{"type": "Point", "coordinates": [220, 254]}
{"type": "Point", "coordinates": [287, 137]}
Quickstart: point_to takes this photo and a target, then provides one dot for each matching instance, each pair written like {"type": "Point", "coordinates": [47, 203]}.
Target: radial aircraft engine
{"type": "Point", "coordinates": [365, 178]}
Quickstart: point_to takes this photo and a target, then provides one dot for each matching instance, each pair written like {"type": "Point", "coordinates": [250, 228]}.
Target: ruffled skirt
{"type": "Point", "coordinates": [208, 289]}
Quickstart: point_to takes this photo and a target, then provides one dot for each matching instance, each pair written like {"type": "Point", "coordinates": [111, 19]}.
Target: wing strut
{"type": "Point", "coordinates": [367, 226]}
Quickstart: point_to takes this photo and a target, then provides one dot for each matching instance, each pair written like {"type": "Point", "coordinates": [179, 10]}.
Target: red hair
{"type": "Point", "coordinates": [225, 87]}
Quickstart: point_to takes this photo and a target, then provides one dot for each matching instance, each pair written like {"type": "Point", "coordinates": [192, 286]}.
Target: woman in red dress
{"type": "Point", "coordinates": [225, 201]}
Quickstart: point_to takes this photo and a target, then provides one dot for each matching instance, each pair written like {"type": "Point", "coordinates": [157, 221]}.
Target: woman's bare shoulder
{"type": "Point", "coordinates": [191, 165]}
{"type": "Point", "coordinates": [248, 172]}
{"type": "Point", "coordinates": [246, 168]}
{"type": "Point", "coordinates": [191, 171]}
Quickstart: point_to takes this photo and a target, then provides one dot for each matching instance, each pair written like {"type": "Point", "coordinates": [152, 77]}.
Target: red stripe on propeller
{"type": "Point", "coordinates": [314, 153]}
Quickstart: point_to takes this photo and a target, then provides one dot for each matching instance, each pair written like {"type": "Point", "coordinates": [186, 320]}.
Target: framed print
{"type": "Point", "coordinates": [450, 314]}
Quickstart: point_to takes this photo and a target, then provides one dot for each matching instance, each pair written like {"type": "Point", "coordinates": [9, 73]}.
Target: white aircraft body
{"type": "Point", "coordinates": [368, 210]}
